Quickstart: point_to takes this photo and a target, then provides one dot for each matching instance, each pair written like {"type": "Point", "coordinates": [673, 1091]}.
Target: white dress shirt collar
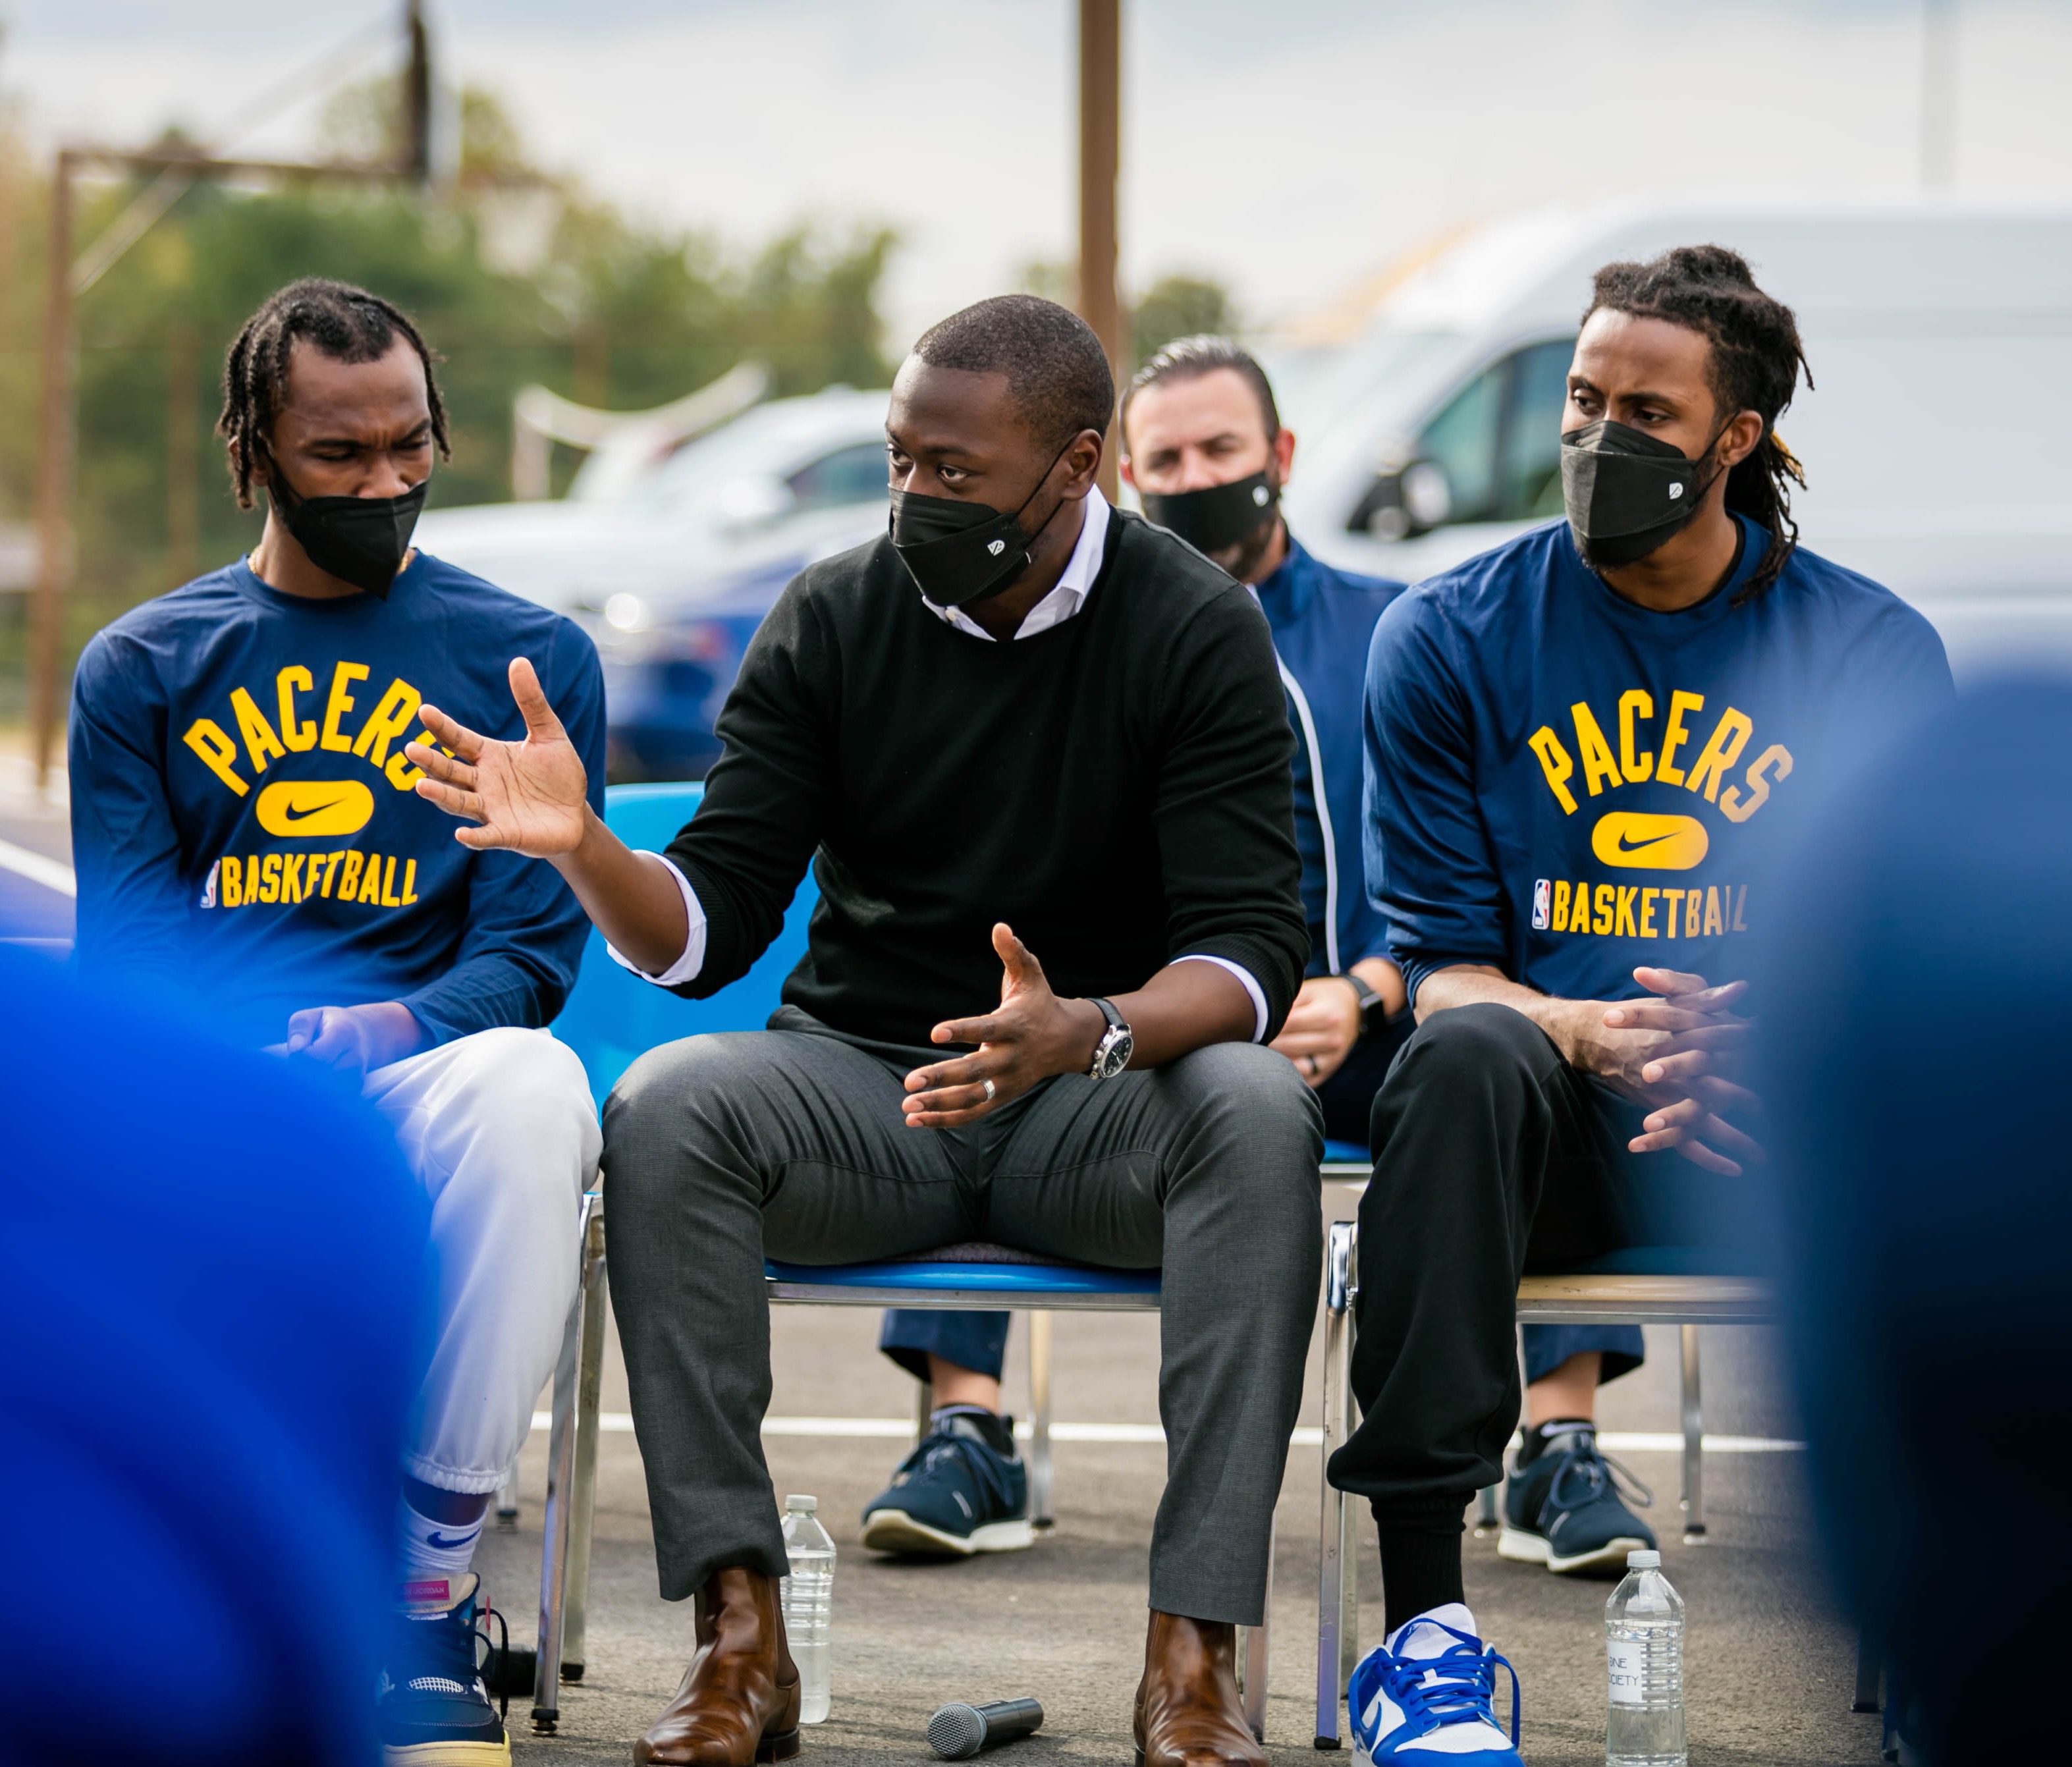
{"type": "Point", "coordinates": [1073, 585]}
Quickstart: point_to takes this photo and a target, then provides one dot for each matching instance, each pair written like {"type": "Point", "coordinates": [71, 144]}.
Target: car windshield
{"type": "Point", "coordinates": [763, 443]}
{"type": "Point", "coordinates": [1318, 390]}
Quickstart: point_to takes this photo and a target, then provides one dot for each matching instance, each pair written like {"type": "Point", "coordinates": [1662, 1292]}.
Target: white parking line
{"type": "Point", "coordinates": [901, 1428]}
{"type": "Point", "coordinates": [38, 870]}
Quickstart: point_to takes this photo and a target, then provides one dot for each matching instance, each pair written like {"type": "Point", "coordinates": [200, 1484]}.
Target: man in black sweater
{"type": "Point", "coordinates": [1021, 723]}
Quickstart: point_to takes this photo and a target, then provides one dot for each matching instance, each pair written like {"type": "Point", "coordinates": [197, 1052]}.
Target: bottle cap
{"type": "Point", "coordinates": [1642, 1560]}
{"type": "Point", "coordinates": [808, 1505]}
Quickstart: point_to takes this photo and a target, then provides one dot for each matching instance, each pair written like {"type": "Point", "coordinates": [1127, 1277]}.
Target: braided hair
{"type": "Point", "coordinates": [348, 324]}
{"type": "Point", "coordinates": [1756, 361]}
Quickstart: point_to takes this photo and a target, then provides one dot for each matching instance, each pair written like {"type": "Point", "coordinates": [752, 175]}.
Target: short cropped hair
{"type": "Point", "coordinates": [1188, 359]}
{"type": "Point", "coordinates": [1058, 376]}
{"type": "Point", "coordinates": [345, 323]}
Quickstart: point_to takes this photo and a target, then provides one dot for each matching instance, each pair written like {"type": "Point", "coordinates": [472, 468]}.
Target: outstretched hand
{"type": "Point", "coordinates": [1033, 1035]}
{"type": "Point", "coordinates": [527, 796]}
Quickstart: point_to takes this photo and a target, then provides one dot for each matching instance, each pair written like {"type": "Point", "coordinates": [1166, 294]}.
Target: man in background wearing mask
{"type": "Point", "coordinates": [1203, 446]}
{"type": "Point", "coordinates": [1020, 726]}
{"type": "Point", "coordinates": [1585, 749]}
{"type": "Point", "coordinates": [248, 844]}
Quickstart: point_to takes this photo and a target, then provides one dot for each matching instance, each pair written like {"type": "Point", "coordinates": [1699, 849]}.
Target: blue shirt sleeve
{"type": "Point", "coordinates": [525, 930]}
{"type": "Point", "coordinates": [131, 915]}
{"type": "Point", "coordinates": [1430, 874]}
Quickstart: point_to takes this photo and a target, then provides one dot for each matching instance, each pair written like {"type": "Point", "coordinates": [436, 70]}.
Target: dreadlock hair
{"type": "Point", "coordinates": [1756, 361]}
{"type": "Point", "coordinates": [348, 324]}
{"type": "Point", "coordinates": [1188, 359]}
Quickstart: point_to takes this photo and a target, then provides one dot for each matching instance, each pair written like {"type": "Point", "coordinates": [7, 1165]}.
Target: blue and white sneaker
{"type": "Point", "coordinates": [1424, 1697]}
{"type": "Point", "coordinates": [1565, 1507]}
{"type": "Point", "coordinates": [433, 1704]}
{"type": "Point", "coordinates": [957, 1493]}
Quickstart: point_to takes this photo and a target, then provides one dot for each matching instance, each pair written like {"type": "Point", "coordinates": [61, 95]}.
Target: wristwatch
{"type": "Point", "coordinates": [1373, 1008]}
{"type": "Point", "coordinates": [1112, 1052]}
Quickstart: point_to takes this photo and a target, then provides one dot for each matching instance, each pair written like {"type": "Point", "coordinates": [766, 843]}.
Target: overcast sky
{"type": "Point", "coordinates": [1292, 147]}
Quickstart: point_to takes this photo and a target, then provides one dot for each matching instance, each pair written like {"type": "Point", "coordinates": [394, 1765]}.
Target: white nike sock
{"type": "Point", "coordinates": [433, 1553]}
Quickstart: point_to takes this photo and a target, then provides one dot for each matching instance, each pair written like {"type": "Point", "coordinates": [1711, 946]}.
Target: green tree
{"type": "Point", "coordinates": [1178, 306]}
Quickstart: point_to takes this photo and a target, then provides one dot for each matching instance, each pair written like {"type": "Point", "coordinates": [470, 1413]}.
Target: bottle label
{"type": "Point", "coordinates": [1627, 1657]}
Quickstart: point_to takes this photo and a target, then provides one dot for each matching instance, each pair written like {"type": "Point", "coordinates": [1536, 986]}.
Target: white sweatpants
{"type": "Point", "coordinates": [500, 1130]}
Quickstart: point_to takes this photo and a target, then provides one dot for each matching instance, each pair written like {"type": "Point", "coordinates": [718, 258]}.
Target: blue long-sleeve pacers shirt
{"type": "Point", "coordinates": [1323, 619]}
{"type": "Point", "coordinates": [244, 827]}
{"type": "Point", "coordinates": [1565, 785]}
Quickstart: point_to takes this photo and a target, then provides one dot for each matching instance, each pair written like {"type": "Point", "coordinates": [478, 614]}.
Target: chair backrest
{"type": "Point", "coordinates": [612, 1017]}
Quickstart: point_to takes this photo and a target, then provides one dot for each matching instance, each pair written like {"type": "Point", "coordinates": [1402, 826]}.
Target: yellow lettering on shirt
{"type": "Point", "coordinates": [1603, 923]}
{"type": "Point", "coordinates": [298, 734]}
{"type": "Point", "coordinates": [291, 878]}
{"type": "Point", "coordinates": [1636, 764]}
{"type": "Point", "coordinates": [1741, 907]}
{"type": "Point", "coordinates": [1670, 898]}
{"type": "Point", "coordinates": [388, 720]}
{"type": "Point", "coordinates": [331, 866]}
{"type": "Point", "coordinates": [232, 875]}
{"type": "Point", "coordinates": [1648, 913]}
{"type": "Point", "coordinates": [1560, 919]}
{"type": "Point", "coordinates": [370, 880]}
{"type": "Point", "coordinates": [1579, 909]}
{"type": "Point", "coordinates": [1776, 758]}
{"type": "Point", "coordinates": [1599, 768]}
{"type": "Point", "coordinates": [269, 877]}
{"type": "Point", "coordinates": [340, 702]}
{"type": "Point", "coordinates": [1622, 923]}
{"type": "Point", "coordinates": [1692, 904]}
{"type": "Point", "coordinates": [354, 860]}
{"type": "Point", "coordinates": [209, 740]}
{"type": "Point", "coordinates": [389, 898]}
{"type": "Point", "coordinates": [410, 882]}
{"type": "Point", "coordinates": [260, 742]}
{"type": "Point", "coordinates": [1674, 736]}
{"type": "Point", "coordinates": [1715, 921]}
{"type": "Point", "coordinates": [1555, 763]}
{"type": "Point", "coordinates": [1722, 749]}
{"type": "Point", "coordinates": [401, 775]}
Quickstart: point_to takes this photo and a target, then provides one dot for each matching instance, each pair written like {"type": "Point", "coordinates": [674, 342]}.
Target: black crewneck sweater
{"type": "Point", "coordinates": [1115, 789]}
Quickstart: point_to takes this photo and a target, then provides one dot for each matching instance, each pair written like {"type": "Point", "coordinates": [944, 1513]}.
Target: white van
{"type": "Point", "coordinates": [1937, 444]}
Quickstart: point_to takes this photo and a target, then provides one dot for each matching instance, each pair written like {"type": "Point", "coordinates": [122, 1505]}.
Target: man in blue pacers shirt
{"type": "Point", "coordinates": [1583, 748]}
{"type": "Point", "coordinates": [247, 838]}
{"type": "Point", "coordinates": [1204, 446]}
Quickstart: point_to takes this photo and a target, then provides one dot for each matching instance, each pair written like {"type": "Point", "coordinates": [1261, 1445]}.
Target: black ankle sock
{"type": "Point", "coordinates": [1537, 1436]}
{"type": "Point", "coordinates": [1420, 1564]}
{"type": "Point", "coordinates": [997, 1432]}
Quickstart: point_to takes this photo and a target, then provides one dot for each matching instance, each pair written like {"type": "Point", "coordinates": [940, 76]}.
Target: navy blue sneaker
{"type": "Point", "coordinates": [1563, 1506]}
{"type": "Point", "coordinates": [957, 1493]}
{"type": "Point", "coordinates": [1426, 1697]}
{"type": "Point", "coordinates": [433, 1705]}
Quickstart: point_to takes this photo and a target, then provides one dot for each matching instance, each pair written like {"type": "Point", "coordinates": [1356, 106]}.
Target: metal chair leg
{"type": "Point", "coordinates": [1486, 1516]}
{"type": "Point", "coordinates": [1039, 1420]}
{"type": "Point", "coordinates": [583, 1486]}
{"type": "Point", "coordinates": [924, 1408]}
{"type": "Point", "coordinates": [1338, 1599]}
{"type": "Point", "coordinates": [1256, 1655]}
{"type": "Point", "coordinates": [506, 1498]}
{"type": "Point", "coordinates": [1870, 1671]}
{"type": "Point", "coordinates": [560, 1481]}
{"type": "Point", "coordinates": [1694, 1445]}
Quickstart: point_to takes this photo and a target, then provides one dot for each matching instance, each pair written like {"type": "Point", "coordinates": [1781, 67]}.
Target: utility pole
{"type": "Point", "coordinates": [1100, 154]}
{"type": "Point", "coordinates": [417, 96]}
{"type": "Point", "coordinates": [1938, 94]}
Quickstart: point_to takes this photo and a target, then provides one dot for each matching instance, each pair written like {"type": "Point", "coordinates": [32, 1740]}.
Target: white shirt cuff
{"type": "Point", "coordinates": [686, 967]}
{"type": "Point", "coordinates": [1251, 986]}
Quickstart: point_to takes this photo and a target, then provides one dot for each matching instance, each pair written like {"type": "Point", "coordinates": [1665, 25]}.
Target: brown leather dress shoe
{"type": "Point", "coordinates": [1188, 1712]}
{"type": "Point", "coordinates": [739, 1701]}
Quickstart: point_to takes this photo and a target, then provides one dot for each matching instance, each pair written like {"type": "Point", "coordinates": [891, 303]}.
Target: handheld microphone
{"type": "Point", "coordinates": [958, 1732]}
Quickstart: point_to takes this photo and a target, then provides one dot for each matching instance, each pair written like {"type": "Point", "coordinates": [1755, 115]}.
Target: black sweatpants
{"type": "Point", "coordinates": [1492, 1157]}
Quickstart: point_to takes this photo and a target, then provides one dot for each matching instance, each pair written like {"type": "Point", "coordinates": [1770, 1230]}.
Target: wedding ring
{"type": "Point", "coordinates": [990, 1089]}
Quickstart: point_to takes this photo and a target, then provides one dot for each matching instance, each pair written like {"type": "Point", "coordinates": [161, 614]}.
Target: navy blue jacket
{"type": "Point", "coordinates": [1323, 619]}
{"type": "Point", "coordinates": [243, 821]}
{"type": "Point", "coordinates": [1562, 784]}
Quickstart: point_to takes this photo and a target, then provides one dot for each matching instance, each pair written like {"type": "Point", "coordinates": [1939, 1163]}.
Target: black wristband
{"type": "Point", "coordinates": [1373, 1008]}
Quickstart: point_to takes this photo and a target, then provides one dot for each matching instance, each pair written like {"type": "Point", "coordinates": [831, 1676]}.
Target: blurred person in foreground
{"type": "Point", "coordinates": [1035, 751]}
{"type": "Point", "coordinates": [213, 1310]}
{"type": "Point", "coordinates": [1924, 1190]}
{"type": "Point", "coordinates": [1204, 446]}
{"type": "Point", "coordinates": [246, 835]}
{"type": "Point", "coordinates": [1585, 748]}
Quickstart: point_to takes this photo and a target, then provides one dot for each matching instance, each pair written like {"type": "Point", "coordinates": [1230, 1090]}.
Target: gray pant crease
{"type": "Point", "coordinates": [722, 1150]}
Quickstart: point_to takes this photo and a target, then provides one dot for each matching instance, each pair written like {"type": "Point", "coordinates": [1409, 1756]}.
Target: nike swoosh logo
{"type": "Point", "coordinates": [1627, 844]}
{"type": "Point", "coordinates": [447, 1546]}
{"type": "Point", "coordinates": [294, 818]}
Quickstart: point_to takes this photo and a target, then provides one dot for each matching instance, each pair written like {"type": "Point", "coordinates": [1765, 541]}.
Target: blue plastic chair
{"type": "Point", "coordinates": [611, 1018]}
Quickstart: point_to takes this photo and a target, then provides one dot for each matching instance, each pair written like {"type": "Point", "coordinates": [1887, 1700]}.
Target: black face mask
{"type": "Point", "coordinates": [1625, 493]}
{"type": "Point", "coordinates": [360, 540]}
{"type": "Point", "coordinates": [959, 552]}
{"type": "Point", "coordinates": [1217, 518]}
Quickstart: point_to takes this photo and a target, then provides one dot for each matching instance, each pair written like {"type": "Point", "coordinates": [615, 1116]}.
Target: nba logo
{"type": "Point", "coordinates": [1540, 916]}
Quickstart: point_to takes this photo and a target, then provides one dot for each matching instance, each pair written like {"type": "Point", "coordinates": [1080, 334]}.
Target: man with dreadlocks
{"type": "Point", "coordinates": [247, 836]}
{"type": "Point", "coordinates": [1584, 746]}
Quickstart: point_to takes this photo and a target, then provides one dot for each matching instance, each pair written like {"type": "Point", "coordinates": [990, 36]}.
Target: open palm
{"type": "Point", "coordinates": [527, 796]}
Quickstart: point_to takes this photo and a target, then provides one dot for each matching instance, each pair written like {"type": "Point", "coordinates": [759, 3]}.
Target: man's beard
{"type": "Point", "coordinates": [1243, 560]}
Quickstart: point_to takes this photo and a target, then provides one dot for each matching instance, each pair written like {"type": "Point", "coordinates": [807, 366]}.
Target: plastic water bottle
{"type": "Point", "coordinates": [809, 1599]}
{"type": "Point", "coordinates": [1644, 1650]}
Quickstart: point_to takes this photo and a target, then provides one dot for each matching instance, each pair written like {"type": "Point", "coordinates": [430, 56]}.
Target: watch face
{"type": "Point", "coordinates": [1115, 1054]}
